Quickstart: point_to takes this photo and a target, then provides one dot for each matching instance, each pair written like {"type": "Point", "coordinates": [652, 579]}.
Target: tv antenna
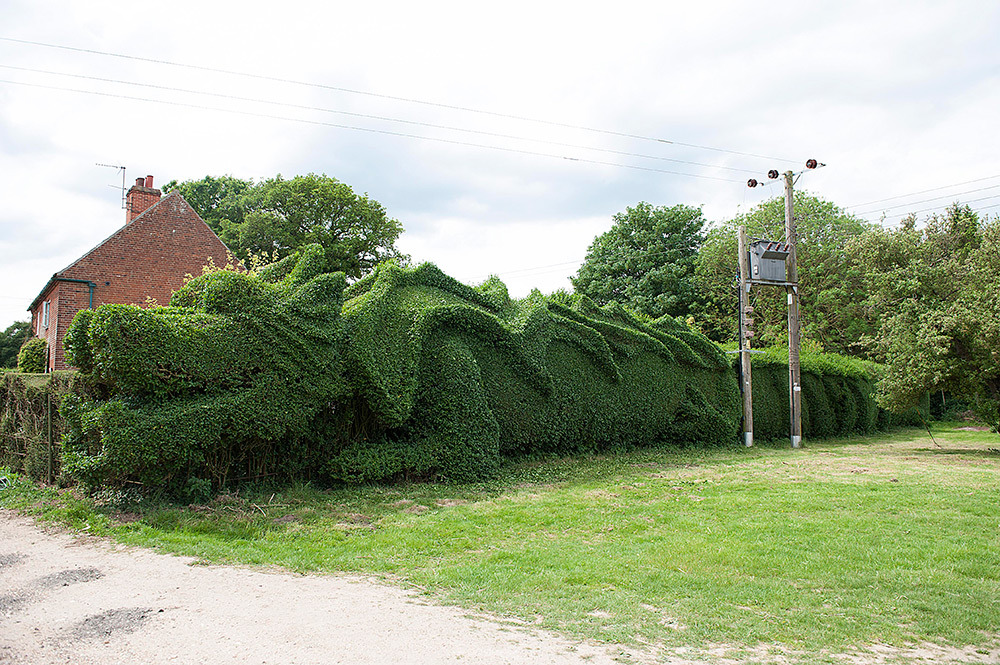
{"type": "Point", "coordinates": [117, 168]}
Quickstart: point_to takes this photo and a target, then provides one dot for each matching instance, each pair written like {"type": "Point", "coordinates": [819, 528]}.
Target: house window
{"type": "Point", "coordinates": [45, 314]}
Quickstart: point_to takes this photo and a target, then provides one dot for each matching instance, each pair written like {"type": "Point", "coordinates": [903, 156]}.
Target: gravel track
{"type": "Point", "coordinates": [71, 599]}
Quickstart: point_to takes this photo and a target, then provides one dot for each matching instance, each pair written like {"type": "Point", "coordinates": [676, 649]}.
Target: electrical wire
{"type": "Point", "coordinates": [917, 212]}
{"type": "Point", "coordinates": [467, 109]}
{"type": "Point", "coordinates": [367, 129]}
{"type": "Point", "coordinates": [924, 191]}
{"type": "Point", "coordinates": [935, 198]}
{"type": "Point", "coordinates": [369, 116]}
{"type": "Point", "coordinates": [995, 205]}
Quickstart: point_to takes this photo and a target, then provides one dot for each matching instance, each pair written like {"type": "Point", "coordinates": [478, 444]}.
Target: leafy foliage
{"type": "Point", "coordinates": [645, 261]}
{"type": "Point", "coordinates": [11, 340]}
{"type": "Point", "coordinates": [31, 358]}
{"type": "Point", "coordinates": [838, 396]}
{"type": "Point", "coordinates": [417, 374]}
{"type": "Point", "coordinates": [405, 373]}
{"type": "Point", "coordinates": [832, 312]}
{"type": "Point", "coordinates": [276, 217]}
{"type": "Point", "coordinates": [228, 380]}
{"type": "Point", "coordinates": [28, 409]}
{"type": "Point", "coordinates": [216, 200]}
{"type": "Point", "coordinates": [935, 293]}
{"type": "Point", "coordinates": [457, 378]}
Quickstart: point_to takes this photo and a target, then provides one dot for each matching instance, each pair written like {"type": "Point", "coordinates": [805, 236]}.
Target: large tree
{"type": "Point", "coordinates": [645, 261]}
{"type": "Point", "coordinates": [831, 290]}
{"type": "Point", "coordinates": [11, 340]}
{"type": "Point", "coordinates": [275, 217]}
{"type": "Point", "coordinates": [934, 293]}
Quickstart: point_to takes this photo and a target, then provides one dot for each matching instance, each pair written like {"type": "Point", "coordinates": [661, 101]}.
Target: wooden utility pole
{"type": "Point", "coordinates": [744, 339]}
{"type": "Point", "coordinates": [794, 383]}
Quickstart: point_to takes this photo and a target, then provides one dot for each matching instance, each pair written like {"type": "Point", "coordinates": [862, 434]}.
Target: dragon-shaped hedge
{"type": "Point", "coordinates": [407, 371]}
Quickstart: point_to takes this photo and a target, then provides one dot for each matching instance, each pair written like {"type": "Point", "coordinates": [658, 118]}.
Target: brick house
{"type": "Point", "coordinates": [162, 241]}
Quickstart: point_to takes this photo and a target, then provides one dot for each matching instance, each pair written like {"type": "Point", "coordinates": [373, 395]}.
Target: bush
{"type": "Point", "coordinates": [454, 379]}
{"type": "Point", "coordinates": [407, 373]}
{"type": "Point", "coordinates": [231, 380]}
{"type": "Point", "coordinates": [32, 356]}
{"type": "Point", "coordinates": [415, 374]}
{"type": "Point", "coordinates": [838, 396]}
{"type": "Point", "coordinates": [28, 413]}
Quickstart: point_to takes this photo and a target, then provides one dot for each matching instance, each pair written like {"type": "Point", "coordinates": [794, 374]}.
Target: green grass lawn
{"type": "Point", "coordinates": [824, 550]}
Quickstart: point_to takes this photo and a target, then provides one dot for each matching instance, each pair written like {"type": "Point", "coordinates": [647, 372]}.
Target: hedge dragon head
{"type": "Point", "coordinates": [239, 365]}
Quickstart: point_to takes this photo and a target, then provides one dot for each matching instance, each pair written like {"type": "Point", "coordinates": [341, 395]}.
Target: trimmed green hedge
{"type": "Point", "coordinates": [29, 406]}
{"type": "Point", "coordinates": [228, 382]}
{"type": "Point", "coordinates": [838, 396]}
{"type": "Point", "coordinates": [415, 374]}
{"type": "Point", "coordinates": [454, 378]}
{"type": "Point", "coordinates": [287, 372]}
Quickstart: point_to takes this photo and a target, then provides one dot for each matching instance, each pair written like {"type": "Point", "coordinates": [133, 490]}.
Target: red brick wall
{"type": "Point", "coordinates": [49, 333]}
{"type": "Point", "coordinates": [148, 258]}
{"type": "Point", "coordinates": [140, 198]}
{"type": "Point", "coordinates": [65, 300]}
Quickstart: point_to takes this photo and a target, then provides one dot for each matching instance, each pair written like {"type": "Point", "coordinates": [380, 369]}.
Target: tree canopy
{"type": "Point", "coordinates": [11, 340]}
{"type": "Point", "coordinates": [933, 293]}
{"type": "Point", "coordinates": [645, 261]}
{"type": "Point", "coordinates": [276, 217]}
{"type": "Point", "coordinates": [831, 281]}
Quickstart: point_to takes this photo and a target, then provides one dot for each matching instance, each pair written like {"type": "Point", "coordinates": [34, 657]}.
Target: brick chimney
{"type": "Point", "coordinates": [140, 198]}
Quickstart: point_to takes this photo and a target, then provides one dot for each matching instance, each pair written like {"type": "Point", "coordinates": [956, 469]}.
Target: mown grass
{"type": "Point", "coordinates": [892, 541]}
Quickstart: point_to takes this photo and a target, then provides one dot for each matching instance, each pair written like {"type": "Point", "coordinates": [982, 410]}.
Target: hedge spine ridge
{"type": "Point", "coordinates": [551, 376]}
{"type": "Point", "coordinates": [407, 371]}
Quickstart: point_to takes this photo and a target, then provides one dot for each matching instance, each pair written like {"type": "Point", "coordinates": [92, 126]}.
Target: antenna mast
{"type": "Point", "coordinates": [118, 168]}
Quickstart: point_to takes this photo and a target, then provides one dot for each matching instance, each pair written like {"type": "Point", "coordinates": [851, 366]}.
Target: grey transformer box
{"type": "Point", "coordinates": [767, 260]}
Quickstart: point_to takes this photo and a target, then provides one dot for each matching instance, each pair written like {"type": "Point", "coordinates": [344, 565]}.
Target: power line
{"type": "Point", "coordinates": [924, 191]}
{"type": "Point", "coordinates": [986, 207]}
{"type": "Point", "coordinates": [365, 129]}
{"type": "Point", "coordinates": [278, 79]}
{"type": "Point", "coordinates": [935, 198]}
{"type": "Point", "coordinates": [916, 212]}
{"type": "Point", "coordinates": [371, 117]}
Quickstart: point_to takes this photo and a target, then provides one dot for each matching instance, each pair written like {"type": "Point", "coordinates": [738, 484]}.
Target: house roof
{"type": "Point", "coordinates": [173, 197]}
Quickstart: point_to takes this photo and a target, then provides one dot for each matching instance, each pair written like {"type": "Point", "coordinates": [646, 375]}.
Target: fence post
{"type": "Point", "coordinates": [48, 415]}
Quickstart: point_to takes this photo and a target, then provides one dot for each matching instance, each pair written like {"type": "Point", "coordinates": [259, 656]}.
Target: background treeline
{"type": "Point", "coordinates": [921, 298]}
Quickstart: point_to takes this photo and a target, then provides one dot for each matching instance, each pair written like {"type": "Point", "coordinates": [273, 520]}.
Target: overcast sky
{"type": "Point", "coordinates": [501, 169]}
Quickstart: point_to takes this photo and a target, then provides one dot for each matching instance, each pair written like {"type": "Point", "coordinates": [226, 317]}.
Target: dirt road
{"type": "Point", "coordinates": [64, 599]}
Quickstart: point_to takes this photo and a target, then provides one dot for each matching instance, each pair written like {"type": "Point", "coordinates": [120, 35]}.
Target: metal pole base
{"type": "Point", "coordinates": [796, 442]}
{"type": "Point", "coordinates": [748, 439]}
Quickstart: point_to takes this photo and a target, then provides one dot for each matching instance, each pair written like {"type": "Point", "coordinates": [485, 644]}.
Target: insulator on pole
{"type": "Point", "coordinates": [811, 163]}
{"type": "Point", "coordinates": [772, 174]}
{"type": "Point", "coordinates": [752, 182]}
